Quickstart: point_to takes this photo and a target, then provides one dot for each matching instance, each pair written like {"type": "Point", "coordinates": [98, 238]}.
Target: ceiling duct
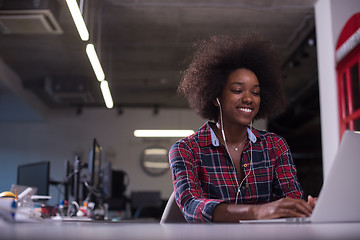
{"type": "Point", "coordinates": [29, 17]}
{"type": "Point", "coordinates": [68, 91]}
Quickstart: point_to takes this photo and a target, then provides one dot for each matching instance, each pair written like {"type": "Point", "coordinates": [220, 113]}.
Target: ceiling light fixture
{"type": "Point", "coordinates": [155, 151]}
{"type": "Point", "coordinates": [90, 51]}
{"type": "Point", "coordinates": [78, 19]}
{"type": "Point", "coordinates": [104, 85]}
{"type": "Point", "coordinates": [162, 133]}
{"type": "Point", "coordinates": [161, 165]}
{"type": "Point", "coordinates": [95, 63]}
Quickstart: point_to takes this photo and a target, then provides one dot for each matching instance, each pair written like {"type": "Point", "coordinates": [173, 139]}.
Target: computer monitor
{"type": "Point", "coordinates": [94, 165]}
{"type": "Point", "coordinates": [35, 175]}
{"type": "Point", "coordinates": [69, 180]}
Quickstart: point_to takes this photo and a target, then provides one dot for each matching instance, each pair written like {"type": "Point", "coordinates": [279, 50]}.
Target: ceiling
{"type": "Point", "coordinates": [142, 46]}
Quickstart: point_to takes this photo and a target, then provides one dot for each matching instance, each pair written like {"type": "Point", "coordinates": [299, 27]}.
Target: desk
{"type": "Point", "coordinates": [156, 231]}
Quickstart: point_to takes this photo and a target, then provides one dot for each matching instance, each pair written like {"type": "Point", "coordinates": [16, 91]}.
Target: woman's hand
{"type": "Point", "coordinates": [312, 201]}
{"type": "Point", "coordinates": [285, 207]}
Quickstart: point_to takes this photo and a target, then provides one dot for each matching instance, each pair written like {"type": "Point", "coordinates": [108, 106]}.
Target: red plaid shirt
{"type": "Point", "coordinates": [204, 175]}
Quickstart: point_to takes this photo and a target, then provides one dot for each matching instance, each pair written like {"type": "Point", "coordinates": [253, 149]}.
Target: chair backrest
{"type": "Point", "coordinates": [172, 213]}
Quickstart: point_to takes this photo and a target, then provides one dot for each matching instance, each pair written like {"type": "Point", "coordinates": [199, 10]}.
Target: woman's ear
{"type": "Point", "coordinates": [216, 102]}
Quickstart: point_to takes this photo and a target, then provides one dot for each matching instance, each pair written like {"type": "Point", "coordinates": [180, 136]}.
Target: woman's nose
{"type": "Point", "coordinates": [247, 98]}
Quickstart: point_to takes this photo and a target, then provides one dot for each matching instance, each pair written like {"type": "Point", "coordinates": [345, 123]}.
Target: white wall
{"type": "Point", "coordinates": [330, 17]}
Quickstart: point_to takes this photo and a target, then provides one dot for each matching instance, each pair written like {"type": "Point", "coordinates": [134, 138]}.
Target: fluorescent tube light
{"type": "Point", "coordinates": [95, 63]}
{"type": "Point", "coordinates": [162, 133]}
{"type": "Point", "coordinates": [156, 151]}
{"type": "Point", "coordinates": [78, 19]}
{"type": "Point", "coordinates": [161, 165]}
{"type": "Point", "coordinates": [106, 94]}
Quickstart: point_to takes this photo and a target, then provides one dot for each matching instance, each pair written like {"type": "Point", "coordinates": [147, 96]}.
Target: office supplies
{"type": "Point", "coordinates": [7, 194]}
{"type": "Point", "coordinates": [7, 208]}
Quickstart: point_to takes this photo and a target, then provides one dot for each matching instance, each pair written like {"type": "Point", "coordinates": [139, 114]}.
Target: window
{"type": "Point", "coordinates": [348, 78]}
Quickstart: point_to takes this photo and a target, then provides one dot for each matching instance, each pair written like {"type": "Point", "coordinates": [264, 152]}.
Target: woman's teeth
{"type": "Point", "coordinates": [246, 109]}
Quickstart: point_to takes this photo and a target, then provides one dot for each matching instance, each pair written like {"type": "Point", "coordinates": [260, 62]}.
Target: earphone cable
{"type": "Point", "coordinates": [227, 149]}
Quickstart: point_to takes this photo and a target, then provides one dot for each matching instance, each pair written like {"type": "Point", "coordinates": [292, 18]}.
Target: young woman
{"type": "Point", "coordinates": [228, 171]}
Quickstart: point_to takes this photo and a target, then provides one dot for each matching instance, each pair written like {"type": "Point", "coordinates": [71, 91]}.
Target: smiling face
{"type": "Point", "coordinates": [240, 99]}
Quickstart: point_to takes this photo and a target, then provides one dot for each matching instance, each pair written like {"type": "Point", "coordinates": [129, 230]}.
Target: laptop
{"type": "Point", "coordinates": [339, 197]}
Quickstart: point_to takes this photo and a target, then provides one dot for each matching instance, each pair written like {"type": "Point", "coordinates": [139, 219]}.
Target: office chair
{"type": "Point", "coordinates": [172, 213]}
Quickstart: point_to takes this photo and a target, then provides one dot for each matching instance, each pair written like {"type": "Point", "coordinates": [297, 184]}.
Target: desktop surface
{"type": "Point", "coordinates": [152, 230]}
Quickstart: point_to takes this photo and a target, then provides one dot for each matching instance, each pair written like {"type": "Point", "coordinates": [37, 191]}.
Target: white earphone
{"type": "Point", "coordinates": [227, 149]}
{"type": "Point", "coordinates": [222, 125]}
{"type": "Point", "coordinates": [217, 99]}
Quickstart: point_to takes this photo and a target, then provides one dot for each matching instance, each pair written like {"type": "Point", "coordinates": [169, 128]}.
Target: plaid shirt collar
{"type": "Point", "coordinates": [208, 136]}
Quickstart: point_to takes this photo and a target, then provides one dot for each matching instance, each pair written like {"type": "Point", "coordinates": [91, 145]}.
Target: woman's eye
{"type": "Point", "coordinates": [237, 91]}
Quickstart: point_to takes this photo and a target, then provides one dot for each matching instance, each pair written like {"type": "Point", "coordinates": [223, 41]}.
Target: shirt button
{"type": "Point", "coordinates": [245, 165]}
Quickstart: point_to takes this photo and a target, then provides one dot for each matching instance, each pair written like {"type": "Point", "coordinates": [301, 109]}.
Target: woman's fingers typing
{"type": "Point", "coordinates": [285, 207]}
{"type": "Point", "coordinates": [312, 201]}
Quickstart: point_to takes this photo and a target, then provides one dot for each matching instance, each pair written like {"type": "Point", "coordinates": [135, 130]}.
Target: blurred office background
{"type": "Point", "coordinates": [51, 105]}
